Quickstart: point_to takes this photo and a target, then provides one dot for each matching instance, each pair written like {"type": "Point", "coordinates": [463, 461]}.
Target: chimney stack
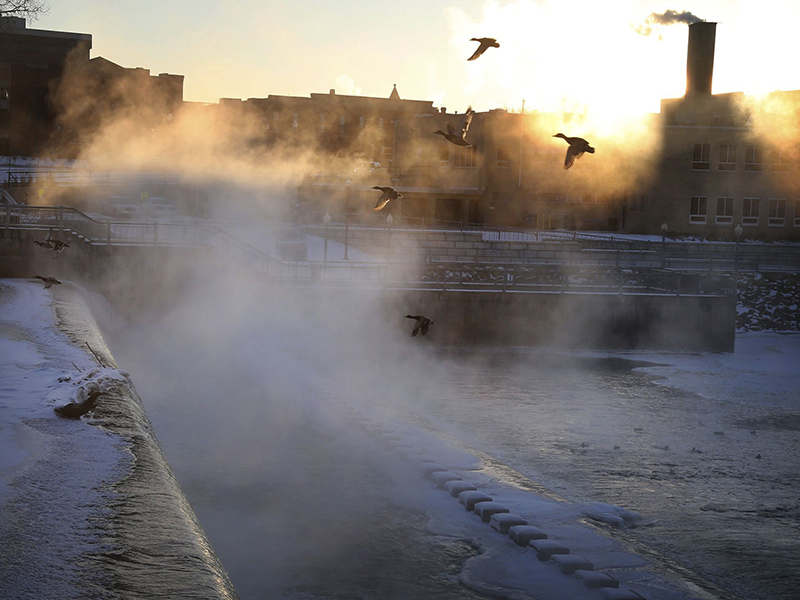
{"type": "Point", "coordinates": [700, 58]}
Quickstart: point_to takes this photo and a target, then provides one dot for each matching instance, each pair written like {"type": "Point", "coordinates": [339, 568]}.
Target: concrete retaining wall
{"type": "Point", "coordinates": [574, 320]}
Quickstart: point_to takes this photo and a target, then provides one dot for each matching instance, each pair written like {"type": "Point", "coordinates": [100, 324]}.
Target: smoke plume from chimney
{"type": "Point", "coordinates": [668, 17]}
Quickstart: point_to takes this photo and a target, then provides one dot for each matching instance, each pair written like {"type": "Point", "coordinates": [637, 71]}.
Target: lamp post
{"type": "Point", "coordinates": [738, 231]}
{"type": "Point", "coordinates": [326, 219]}
{"type": "Point", "coordinates": [389, 220]}
{"type": "Point", "coordinates": [664, 230]}
{"type": "Point", "coordinates": [348, 184]}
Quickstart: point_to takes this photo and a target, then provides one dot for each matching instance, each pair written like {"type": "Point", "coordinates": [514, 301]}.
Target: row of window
{"type": "Point", "coordinates": [751, 211]}
{"type": "Point", "coordinates": [727, 156]}
{"type": "Point", "coordinates": [323, 123]}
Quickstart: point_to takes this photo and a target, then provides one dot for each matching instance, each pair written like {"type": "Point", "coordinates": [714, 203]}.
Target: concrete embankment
{"type": "Point", "coordinates": [89, 506]}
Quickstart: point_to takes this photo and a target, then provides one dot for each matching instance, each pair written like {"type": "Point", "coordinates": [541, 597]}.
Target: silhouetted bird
{"type": "Point", "coordinates": [577, 146]}
{"type": "Point", "coordinates": [48, 281]}
{"type": "Point", "coordinates": [74, 410]}
{"type": "Point", "coordinates": [44, 244]}
{"type": "Point", "coordinates": [758, 456]}
{"type": "Point", "coordinates": [458, 136]}
{"type": "Point", "coordinates": [387, 194]}
{"type": "Point", "coordinates": [422, 324]}
{"type": "Point", "coordinates": [485, 44]}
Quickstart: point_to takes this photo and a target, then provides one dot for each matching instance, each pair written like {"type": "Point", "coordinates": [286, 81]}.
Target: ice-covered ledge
{"type": "Point", "coordinates": [88, 506]}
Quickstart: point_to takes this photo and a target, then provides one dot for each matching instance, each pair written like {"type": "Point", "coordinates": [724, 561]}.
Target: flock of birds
{"type": "Point", "coordinates": [458, 137]}
{"type": "Point", "coordinates": [57, 247]}
{"type": "Point", "coordinates": [455, 135]}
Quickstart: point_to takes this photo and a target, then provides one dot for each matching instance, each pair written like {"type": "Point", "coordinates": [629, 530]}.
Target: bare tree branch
{"type": "Point", "coordinates": [29, 9]}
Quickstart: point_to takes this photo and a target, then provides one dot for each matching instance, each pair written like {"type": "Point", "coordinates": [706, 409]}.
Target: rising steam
{"type": "Point", "coordinates": [668, 17]}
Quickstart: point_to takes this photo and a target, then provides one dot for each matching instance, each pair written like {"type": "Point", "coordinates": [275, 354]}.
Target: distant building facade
{"type": "Point", "coordinates": [714, 166]}
{"type": "Point", "coordinates": [31, 64]}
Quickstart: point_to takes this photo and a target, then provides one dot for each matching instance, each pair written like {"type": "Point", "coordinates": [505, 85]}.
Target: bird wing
{"type": "Point", "coordinates": [466, 121]}
{"type": "Point", "coordinates": [48, 284]}
{"type": "Point", "coordinates": [450, 129]}
{"type": "Point", "coordinates": [382, 201]}
{"type": "Point", "coordinates": [480, 50]}
{"type": "Point", "coordinates": [416, 329]}
{"type": "Point", "coordinates": [569, 160]}
{"type": "Point", "coordinates": [424, 325]}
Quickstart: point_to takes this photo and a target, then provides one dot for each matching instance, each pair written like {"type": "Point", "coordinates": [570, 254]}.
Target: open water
{"type": "Point", "coordinates": [295, 515]}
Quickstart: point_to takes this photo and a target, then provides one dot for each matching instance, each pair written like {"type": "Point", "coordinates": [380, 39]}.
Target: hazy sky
{"type": "Point", "coordinates": [578, 54]}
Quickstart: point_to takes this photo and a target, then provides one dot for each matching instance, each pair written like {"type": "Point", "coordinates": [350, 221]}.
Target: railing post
{"type": "Point", "coordinates": [155, 233]}
{"type": "Point", "coordinates": [108, 232]}
{"type": "Point", "coordinates": [61, 218]}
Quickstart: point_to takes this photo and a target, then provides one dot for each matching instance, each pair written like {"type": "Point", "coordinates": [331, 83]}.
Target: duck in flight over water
{"type": "Point", "coordinates": [422, 324]}
{"type": "Point", "coordinates": [485, 44]}
{"type": "Point", "coordinates": [387, 194]}
{"type": "Point", "coordinates": [577, 147]}
{"type": "Point", "coordinates": [458, 136]}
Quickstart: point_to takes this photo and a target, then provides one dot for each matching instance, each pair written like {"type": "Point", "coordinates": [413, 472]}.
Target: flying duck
{"type": "Point", "coordinates": [422, 324]}
{"type": "Point", "coordinates": [577, 146]}
{"type": "Point", "coordinates": [48, 281]}
{"type": "Point", "coordinates": [485, 44]}
{"type": "Point", "coordinates": [386, 195]}
{"type": "Point", "coordinates": [458, 136]}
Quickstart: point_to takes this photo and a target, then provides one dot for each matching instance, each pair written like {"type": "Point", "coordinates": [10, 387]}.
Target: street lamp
{"type": "Point", "coordinates": [348, 184]}
{"type": "Point", "coordinates": [664, 230]}
{"type": "Point", "coordinates": [738, 231]}
{"type": "Point", "coordinates": [326, 219]}
{"type": "Point", "coordinates": [389, 220]}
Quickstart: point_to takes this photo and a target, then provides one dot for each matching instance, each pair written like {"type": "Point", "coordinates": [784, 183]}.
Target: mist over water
{"type": "Point", "coordinates": [244, 382]}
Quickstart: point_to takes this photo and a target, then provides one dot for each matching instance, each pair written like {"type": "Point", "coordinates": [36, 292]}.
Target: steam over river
{"type": "Point", "coordinates": [290, 494]}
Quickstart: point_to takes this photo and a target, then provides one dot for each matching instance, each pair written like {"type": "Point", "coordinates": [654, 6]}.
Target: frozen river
{"type": "Point", "coordinates": [716, 481]}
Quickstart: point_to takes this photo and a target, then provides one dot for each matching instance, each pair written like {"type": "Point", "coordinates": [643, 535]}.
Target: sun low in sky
{"type": "Point", "coordinates": [582, 56]}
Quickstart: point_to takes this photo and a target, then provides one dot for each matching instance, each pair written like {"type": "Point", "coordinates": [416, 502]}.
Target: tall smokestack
{"type": "Point", "coordinates": [700, 58]}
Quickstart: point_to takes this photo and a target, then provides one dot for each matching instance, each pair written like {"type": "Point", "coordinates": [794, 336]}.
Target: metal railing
{"type": "Point", "coordinates": [581, 251]}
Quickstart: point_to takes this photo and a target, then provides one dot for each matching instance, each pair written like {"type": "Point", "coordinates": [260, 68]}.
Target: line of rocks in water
{"type": "Point", "coordinates": [500, 518]}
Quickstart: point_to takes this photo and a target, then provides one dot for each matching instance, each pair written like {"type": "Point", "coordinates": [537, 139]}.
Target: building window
{"type": "Point", "coordinates": [465, 156]}
{"type": "Point", "coordinates": [778, 161]}
{"type": "Point", "coordinates": [750, 209]}
{"type": "Point", "coordinates": [503, 157]}
{"type": "Point", "coordinates": [444, 155]}
{"type": "Point", "coordinates": [698, 210]}
{"type": "Point", "coordinates": [753, 158]}
{"type": "Point", "coordinates": [701, 157]}
{"type": "Point", "coordinates": [341, 125]}
{"type": "Point", "coordinates": [727, 157]}
{"type": "Point", "coordinates": [361, 122]}
{"type": "Point", "coordinates": [295, 123]}
{"type": "Point", "coordinates": [387, 154]}
{"type": "Point", "coordinates": [380, 122]}
{"type": "Point", "coordinates": [274, 122]}
{"type": "Point", "coordinates": [777, 212]}
{"type": "Point", "coordinates": [724, 210]}
{"type": "Point", "coordinates": [322, 123]}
